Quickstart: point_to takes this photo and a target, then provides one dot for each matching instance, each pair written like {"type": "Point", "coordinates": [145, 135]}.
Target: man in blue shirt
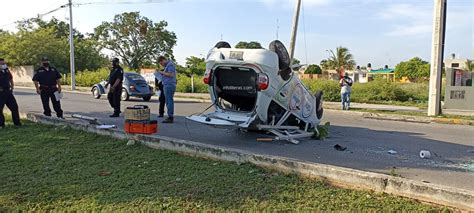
{"type": "Point", "coordinates": [169, 85]}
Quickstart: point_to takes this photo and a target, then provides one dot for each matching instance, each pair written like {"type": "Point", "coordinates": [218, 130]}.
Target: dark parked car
{"type": "Point", "coordinates": [134, 85]}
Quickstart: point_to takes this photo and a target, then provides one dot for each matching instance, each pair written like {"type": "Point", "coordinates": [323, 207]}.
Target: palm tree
{"type": "Point", "coordinates": [339, 59]}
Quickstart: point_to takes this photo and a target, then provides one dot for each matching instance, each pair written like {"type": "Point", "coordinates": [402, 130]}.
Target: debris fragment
{"type": "Point", "coordinates": [130, 143]}
{"type": "Point", "coordinates": [425, 154]}
{"type": "Point", "coordinates": [339, 147]}
{"type": "Point", "coordinates": [392, 152]}
{"type": "Point", "coordinates": [104, 173]}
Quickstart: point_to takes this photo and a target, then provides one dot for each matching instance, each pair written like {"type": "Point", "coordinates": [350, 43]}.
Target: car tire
{"type": "Point", "coordinates": [283, 59]}
{"type": "Point", "coordinates": [124, 96]}
{"type": "Point", "coordinates": [319, 104]}
{"type": "Point", "coordinates": [147, 98]}
{"type": "Point", "coordinates": [222, 44]}
{"type": "Point", "coordinates": [96, 93]}
{"type": "Point", "coordinates": [283, 56]}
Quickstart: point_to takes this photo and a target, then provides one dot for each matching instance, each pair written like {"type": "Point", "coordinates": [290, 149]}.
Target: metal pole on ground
{"type": "Point", "coordinates": [437, 51]}
{"type": "Point", "coordinates": [294, 31]}
{"type": "Point", "coordinates": [71, 48]}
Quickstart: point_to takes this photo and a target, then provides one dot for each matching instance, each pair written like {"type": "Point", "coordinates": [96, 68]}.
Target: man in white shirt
{"type": "Point", "coordinates": [346, 84]}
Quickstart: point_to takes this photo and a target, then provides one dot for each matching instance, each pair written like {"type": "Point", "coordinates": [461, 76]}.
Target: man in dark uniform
{"type": "Point", "coordinates": [115, 91]}
{"type": "Point", "coordinates": [6, 95]}
{"type": "Point", "coordinates": [159, 86]}
{"type": "Point", "coordinates": [47, 81]}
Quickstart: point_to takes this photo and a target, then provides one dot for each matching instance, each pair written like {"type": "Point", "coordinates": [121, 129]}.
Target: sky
{"type": "Point", "coordinates": [381, 32]}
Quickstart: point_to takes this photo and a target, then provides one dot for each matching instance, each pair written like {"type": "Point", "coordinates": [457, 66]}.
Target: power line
{"type": "Point", "coordinates": [304, 33]}
{"type": "Point", "coordinates": [39, 16]}
{"type": "Point", "coordinates": [125, 2]}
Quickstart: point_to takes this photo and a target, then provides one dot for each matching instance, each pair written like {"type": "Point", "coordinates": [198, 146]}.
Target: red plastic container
{"type": "Point", "coordinates": [141, 127]}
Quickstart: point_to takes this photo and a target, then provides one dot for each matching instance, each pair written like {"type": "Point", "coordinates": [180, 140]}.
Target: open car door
{"type": "Point", "coordinates": [224, 119]}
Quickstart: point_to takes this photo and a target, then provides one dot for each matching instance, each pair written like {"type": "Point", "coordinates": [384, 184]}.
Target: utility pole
{"type": "Point", "coordinates": [71, 48]}
{"type": "Point", "coordinates": [437, 52]}
{"type": "Point", "coordinates": [295, 30]}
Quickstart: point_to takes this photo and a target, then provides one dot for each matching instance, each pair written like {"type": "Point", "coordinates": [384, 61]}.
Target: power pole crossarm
{"type": "Point", "coordinates": [295, 30]}
{"type": "Point", "coordinates": [437, 52]}
{"type": "Point", "coordinates": [71, 48]}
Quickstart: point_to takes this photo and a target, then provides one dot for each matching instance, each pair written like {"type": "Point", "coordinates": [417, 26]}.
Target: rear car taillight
{"type": "Point", "coordinates": [263, 81]}
{"type": "Point", "coordinates": [207, 77]}
{"type": "Point", "coordinates": [132, 88]}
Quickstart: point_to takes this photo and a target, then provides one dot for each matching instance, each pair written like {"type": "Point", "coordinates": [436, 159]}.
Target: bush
{"type": "Point", "coordinates": [88, 78]}
{"type": "Point", "coordinates": [184, 84]}
{"type": "Point", "coordinates": [331, 89]}
{"type": "Point", "coordinates": [376, 91]}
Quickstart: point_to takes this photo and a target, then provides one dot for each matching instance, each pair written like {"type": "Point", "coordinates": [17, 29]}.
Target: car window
{"type": "Point", "coordinates": [135, 77]}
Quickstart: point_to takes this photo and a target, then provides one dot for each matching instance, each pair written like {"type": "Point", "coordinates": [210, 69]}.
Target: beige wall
{"type": "Point", "coordinates": [22, 75]}
{"type": "Point", "coordinates": [458, 97]}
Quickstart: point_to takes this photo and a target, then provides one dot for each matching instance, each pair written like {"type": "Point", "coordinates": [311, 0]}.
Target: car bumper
{"type": "Point", "coordinates": [140, 95]}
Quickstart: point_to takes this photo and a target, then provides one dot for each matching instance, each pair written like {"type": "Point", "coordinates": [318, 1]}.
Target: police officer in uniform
{"type": "Point", "coordinates": [47, 81]}
{"type": "Point", "coordinates": [6, 95]}
{"type": "Point", "coordinates": [115, 91]}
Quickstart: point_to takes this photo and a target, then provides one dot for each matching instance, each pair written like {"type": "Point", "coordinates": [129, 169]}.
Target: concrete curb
{"type": "Point", "coordinates": [349, 178]}
{"type": "Point", "coordinates": [407, 118]}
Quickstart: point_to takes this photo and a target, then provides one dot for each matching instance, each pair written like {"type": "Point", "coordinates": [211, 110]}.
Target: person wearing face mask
{"type": "Point", "coordinates": [47, 81]}
{"type": "Point", "coordinates": [6, 95]}
{"type": "Point", "coordinates": [115, 91]}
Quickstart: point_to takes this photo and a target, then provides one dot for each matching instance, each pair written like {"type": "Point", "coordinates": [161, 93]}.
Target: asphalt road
{"type": "Point", "coordinates": [367, 141]}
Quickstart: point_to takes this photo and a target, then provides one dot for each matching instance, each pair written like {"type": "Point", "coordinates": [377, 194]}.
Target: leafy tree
{"type": "Point", "coordinates": [195, 66]}
{"type": "Point", "coordinates": [324, 64]}
{"type": "Point", "coordinates": [36, 38]}
{"type": "Point", "coordinates": [27, 48]}
{"type": "Point", "coordinates": [313, 69]}
{"type": "Point", "coordinates": [248, 45]}
{"type": "Point", "coordinates": [340, 58]}
{"type": "Point", "coordinates": [295, 61]}
{"type": "Point", "coordinates": [136, 39]}
{"type": "Point", "coordinates": [414, 69]}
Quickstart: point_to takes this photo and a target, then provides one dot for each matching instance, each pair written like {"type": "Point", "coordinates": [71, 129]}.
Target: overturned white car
{"type": "Point", "coordinates": [256, 89]}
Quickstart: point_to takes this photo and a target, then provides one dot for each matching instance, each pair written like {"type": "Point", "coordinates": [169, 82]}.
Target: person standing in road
{"type": "Point", "coordinates": [47, 81]}
{"type": "Point", "coordinates": [169, 85]}
{"type": "Point", "coordinates": [6, 95]}
{"type": "Point", "coordinates": [346, 84]}
{"type": "Point", "coordinates": [162, 99]}
{"type": "Point", "coordinates": [115, 91]}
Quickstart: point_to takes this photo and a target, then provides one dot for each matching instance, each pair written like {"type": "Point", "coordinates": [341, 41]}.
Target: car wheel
{"type": "Point", "coordinates": [124, 96]}
{"type": "Point", "coordinates": [96, 93]}
{"type": "Point", "coordinates": [283, 56]}
{"type": "Point", "coordinates": [147, 98]}
{"type": "Point", "coordinates": [222, 44]}
{"type": "Point", "coordinates": [283, 59]}
{"type": "Point", "coordinates": [319, 104]}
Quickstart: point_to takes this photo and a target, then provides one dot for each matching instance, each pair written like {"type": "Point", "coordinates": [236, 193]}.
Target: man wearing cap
{"type": "Point", "coordinates": [47, 81]}
{"type": "Point", "coordinates": [115, 91]}
{"type": "Point", "coordinates": [6, 95]}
